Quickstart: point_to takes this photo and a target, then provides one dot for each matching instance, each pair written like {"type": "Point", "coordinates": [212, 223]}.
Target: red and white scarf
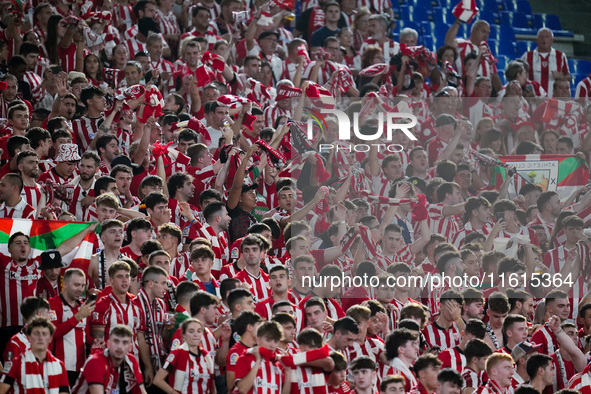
{"type": "Point", "coordinates": [32, 378]}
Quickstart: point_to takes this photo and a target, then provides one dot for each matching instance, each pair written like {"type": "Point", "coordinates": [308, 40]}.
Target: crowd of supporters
{"type": "Point", "coordinates": [177, 130]}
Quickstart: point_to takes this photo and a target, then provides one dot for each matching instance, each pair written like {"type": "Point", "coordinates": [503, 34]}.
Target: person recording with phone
{"type": "Point", "coordinates": [70, 315]}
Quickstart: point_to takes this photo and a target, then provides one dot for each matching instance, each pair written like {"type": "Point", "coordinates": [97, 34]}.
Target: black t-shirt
{"type": "Point", "coordinates": [241, 221]}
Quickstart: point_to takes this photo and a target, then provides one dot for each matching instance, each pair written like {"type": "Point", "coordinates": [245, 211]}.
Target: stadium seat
{"type": "Point", "coordinates": [501, 74]}
{"type": "Point", "coordinates": [515, 19]}
{"type": "Point", "coordinates": [525, 46]}
{"type": "Point", "coordinates": [494, 32]}
{"type": "Point", "coordinates": [506, 47]}
{"type": "Point", "coordinates": [427, 3]}
{"type": "Point", "coordinates": [506, 33]}
{"type": "Point", "coordinates": [524, 7]}
{"type": "Point", "coordinates": [510, 5]}
{"type": "Point", "coordinates": [553, 22]}
{"type": "Point", "coordinates": [577, 66]}
{"type": "Point", "coordinates": [503, 61]}
{"type": "Point", "coordinates": [494, 5]}
{"type": "Point", "coordinates": [437, 15]}
{"type": "Point", "coordinates": [489, 16]}
{"type": "Point", "coordinates": [429, 43]}
{"type": "Point", "coordinates": [401, 24]}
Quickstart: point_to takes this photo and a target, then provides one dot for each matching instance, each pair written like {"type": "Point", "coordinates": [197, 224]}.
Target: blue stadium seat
{"type": "Point", "coordinates": [506, 47]}
{"type": "Point", "coordinates": [525, 46]}
{"type": "Point", "coordinates": [494, 46]}
{"type": "Point", "coordinates": [515, 19]}
{"type": "Point", "coordinates": [502, 76]}
{"type": "Point", "coordinates": [494, 32]}
{"type": "Point", "coordinates": [506, 33]}
{"type": "Point", "coordinates": [577, 66]}
{"type": "Point", "coordinates": [437, 15]}
{"type": "Point", "coordinates": [493, 6]}
{"type": "Point", "coordinates": [503, 61]}
{"type": "Point", "coordinates": [429, 43]}
{"type": "Point", "coordinates": [401, 24]}
{"type": "Point", "coordinates": [510, 5]}
{"type": "Point", "coordinates": [539, 20]}
{"type": "Point", "coordinates": [427, 28]}
{"type": "Point", "coordinates": [553, 22]}
{"type": "Point", "coordinates": [427, 3]}
{"type": "Point", "coordinates": [489, 16]}
{"type": "Point", "coordinates": [524, 7]}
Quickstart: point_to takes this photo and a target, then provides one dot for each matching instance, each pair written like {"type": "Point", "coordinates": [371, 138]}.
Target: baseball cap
{"type": "Point", "coordinates": [247, 186]}
{"type": "Point", "coordinates": [51, 258]}
{"type": "Point", "coordinates": [268, 33]}
{"type": "Point", "coordinates": [524, 348]}
{"type": "Point", "coordinates": [445, 119]}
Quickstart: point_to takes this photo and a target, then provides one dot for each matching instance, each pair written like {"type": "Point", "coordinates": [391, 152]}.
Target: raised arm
{"type": "Point", "coordinates": [452, 33]}
{"type": "Point", "coordinates": [236, 189]}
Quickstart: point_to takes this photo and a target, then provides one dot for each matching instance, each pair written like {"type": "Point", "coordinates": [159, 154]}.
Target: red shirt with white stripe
{"type": "Point", "coordinates": [219, 245]}
{"type": "Point", "coordinates": [109, 312]}
{"type": "Point", "coordinates": [389, 47]}
{"type": "Point", "coordinates": [19, 282]}
{"type": "Point", "coordinates": [69, 339]}
{"type": "Point", "coordinates": [189, 372]}
{"type": "Point", "coordinates": [270, 376]}
{"type": "Point", "coordinates": [440, 224]}
{"type": "Point", "coordinates": [398, 367]}
{"type": "Point", "coordinates": [168, 23]}
{"type": "Point", "coordinates": [471, 378]}
{"type": "Point", "coordinates": [524, 232]}
{"type": "Point", "coordinates": [438, 336]}
{"type": "Point", "coordinates": [21, 210]}
{"type": "Point", "coordinates": [24, 375]}
{"type": "Point", "coordinates": [583, 89]}
{"type": "Point", "coordinates": [548, 226]}
{"type": "Point", "coordinates": [54, 176]}
{"type": "Point", "coordinates": [32, 195]}
{"type": "Point", "coordinates": [458, 239]}
{"type": "Point", "coordinates": [308, 380]}
{"type": "Point", "coordinates": [466, 47]}
{"type": "Point", "coordinates": [34, 81]}
{"type": "Point", "coordinates": [581, 382]}
{"type": "Point", "coordinates": [153, 318]}
{"type": "Point", "coordinates": [453, 358]}
{"type": "Point", "coordinates": [67, 57]}
{"type": "Point", "coordinates": [265, 307]}
{"type": "Point", "coordinates": [545, 337]}
{"type": "Point", "coordinates": [541, 66]}
{"type": "Point", "coordinates": [134, 46]}
{"type": "Point", "coordinates": [180, 263]}
{"type": "Point", "coordinates": [18, 344]}
{"type": "Point", "coordinates": [85, 129]}
{"type": "Point", "coordinates": [259, 284]}
{"type": "Point", "coordinates": [99, 369]}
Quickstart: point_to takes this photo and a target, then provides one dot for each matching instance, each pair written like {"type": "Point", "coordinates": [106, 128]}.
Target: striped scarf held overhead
{"type": "Point", "coordinates": [37, 383]}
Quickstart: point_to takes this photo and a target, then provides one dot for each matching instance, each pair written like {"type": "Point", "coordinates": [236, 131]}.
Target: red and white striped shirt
{"type": "Point", "coordinates": [440, 224]}
{"type": "Point", "coordinates": [67, 57]}
{"type": "Point", "coordinates": [465, 47]}
{"type": "Point", "coordinates": [398, 367]}
{"type": "Point", "coordinates": [541, 66]}
{"type": "Point", "coordinates": [168, 23]}
{"type": "Point", "coordinates": [259, 284]}
{"type": "Point", "coordinates": [458, 239]}
{"type": "Point", "coordinates": [153, 317]}
{"type": "Point", "coordinates": [273, 113]}
{"type": "Point", "coordinates": [85, 129]}
{"type": "Point", "coordinates": [545, 337]}
{"type": "Point", "coordinates": [34, 81]}
{"type": "Point", "coordinates": [308, 380]}
{"type": "Point", "coordinates": [491, 387]}
{"type": "Point", "coordinates": [452, 357]}
{"type": "Point", "coordinates": [581, 382]}
{"type": "Point", "coordinates": [19, 282]}
{"type": "Point", "coordinates": [389, 47]}
{"type": "Point", "coordinates": [29, 375]}
{"type": "Point", "coordinates": [219, 245]}
{"type": "Point", "coordinates": [99, 369]}
{"type": "Point", "coordinates": [109, 312]}
{"type": "Point", "coordinates": [18, 344]}
{"type": "Point", "coordinates": [32, 195]}
{"type": "Point", "coordinates": [471, 378]}
{"type": "Point", "coordinates": [189, 372]}
{"type": "Point", "coordinates": [79, 194]}
{"type": "Point", "coordinates": [270, 376]}
{"type": "Point", "coordinates": [134, 46]}
{"type": "Point", "coordinates": [54, 177]}
{"type": "Point", "coordinates": [583, 89]}
{"type": "Point", "coordinates": [21, 210]}
{"type": "Point", "coordinates": [180, 263]}
{"type": "Point", "coordinates": [548, 226]}
{"type": "Point", "coordinates": [70, 334]}
{"type": "Point", "coordinates": [438, 336]}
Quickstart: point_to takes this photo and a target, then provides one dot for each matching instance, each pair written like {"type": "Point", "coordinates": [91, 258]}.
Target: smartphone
{"type": "Point", "coordinates": [500, 216]}
{"type": "Point", "coordinates": [56, 69]}
{"type": "Point", "coordinates": [92, 297]}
